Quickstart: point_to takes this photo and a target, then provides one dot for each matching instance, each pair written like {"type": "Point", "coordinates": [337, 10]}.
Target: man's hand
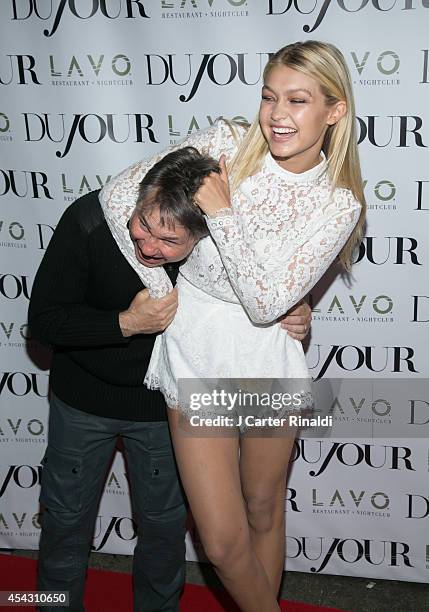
{"type": "Point", "coordinates": [146, 315]}
{"type": "Point", "coordinates": [297, 321]}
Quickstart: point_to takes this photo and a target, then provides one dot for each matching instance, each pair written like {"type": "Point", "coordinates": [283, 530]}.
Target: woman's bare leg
{"type": "Point", "coordinates": [263, 470]}
{"type": "Point", "coordinates": [210, 475]}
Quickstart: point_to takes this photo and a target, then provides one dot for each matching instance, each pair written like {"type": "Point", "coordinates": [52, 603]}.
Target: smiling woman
{"type": "Point", "coordinates": [287, 200]}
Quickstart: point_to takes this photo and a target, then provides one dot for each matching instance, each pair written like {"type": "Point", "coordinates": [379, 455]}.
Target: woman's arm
{"type": "Point", "coordinates": [118, 199]}
{"type": "Point", "coordinates": [265, 288]}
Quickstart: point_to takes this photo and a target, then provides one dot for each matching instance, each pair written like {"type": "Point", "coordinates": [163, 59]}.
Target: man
{"type": "Point", "coordinates": [89, 304]}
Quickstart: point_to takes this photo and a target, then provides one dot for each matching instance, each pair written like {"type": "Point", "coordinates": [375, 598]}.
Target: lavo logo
{"type": "Point", "coordinates": [351, 358]}
{"type": "Point", "coordinates": [378, 500]}
{"type": "Point", "coordinates": [383, 190]}
{"type": "Point", "coordinates": [18, 521]}
{"type": "Point", "coordinates": [400, 126]}
{"type": "Point", "coordinates": [221, 69]}
{"type": "Point", "coordinates": [379, 407]}
{"type": "Point", "coordinates": [84, 184]}
{"type": "Point", "coordinates": [24, 476]}
{"type": "Point", "coordinates": [23, 383]}
{"type": "Point", "coordinates": [120, 65]}
{"type": "Point", "coordinates": [4, 123]}
{"type": "Point", "coordinates": [381, 304]}
{"type": "Point", "coordinates": [180, 4]}
{"type": "Point", "coordinates": [21, 68]}
{"type": "Point", "coordinates": [280, 7]}
{"type": "Point", "coordinates": [34, 427]}
{"type": "Point", "coordinates": [24, 184]}
{"type": "Point", "coordinates": [90, 128]}
{"type": "Point", "coordinates": [8, 328]}
{"type": "Point", "coordinates": [82, 9]}
{"type": "Point", "coordinates": [351, 454]}
{"type": "Point", "coordinates": [387, 62]}
{"type": "Point", "coordinates": [14, 229]}
{"type": "Point", "coordinates": [123, 527]}
{"type": "Point", "coordinates": [348, 550]}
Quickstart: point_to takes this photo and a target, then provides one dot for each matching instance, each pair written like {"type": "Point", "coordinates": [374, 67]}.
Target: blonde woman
{"type": "Point", "coordinates": [290, 202]}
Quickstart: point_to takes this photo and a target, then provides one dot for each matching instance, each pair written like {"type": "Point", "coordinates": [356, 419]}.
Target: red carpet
{"type": "Point", "coordinates": [111, 591]}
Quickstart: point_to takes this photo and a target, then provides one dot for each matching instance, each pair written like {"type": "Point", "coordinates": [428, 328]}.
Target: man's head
{"type": "Point", "coordinates": [166, 224]}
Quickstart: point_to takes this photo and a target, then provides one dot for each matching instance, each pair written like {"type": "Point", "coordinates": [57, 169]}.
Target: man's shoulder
{"type": "Point", "coordinates": [87, 211]}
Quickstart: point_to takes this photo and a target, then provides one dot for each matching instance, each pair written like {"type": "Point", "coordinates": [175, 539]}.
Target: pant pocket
{"type": "Point", "coordinates": [62, 481]}
{"type": "Point", "coordinates": [165, 490]}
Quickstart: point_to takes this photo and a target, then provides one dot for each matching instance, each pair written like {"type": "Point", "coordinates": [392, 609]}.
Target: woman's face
{"type": "Point", "coordinates": [294, 117]}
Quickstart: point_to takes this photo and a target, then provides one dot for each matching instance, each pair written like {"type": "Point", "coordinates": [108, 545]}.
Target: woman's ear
{"type": "Point", "coordinates": [336, 112]}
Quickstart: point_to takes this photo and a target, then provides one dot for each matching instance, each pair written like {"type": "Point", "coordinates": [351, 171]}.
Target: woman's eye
{"type": "Point", "coordinates": [298, 101]}
{"type": "Point", "coordinates": [267, 98]}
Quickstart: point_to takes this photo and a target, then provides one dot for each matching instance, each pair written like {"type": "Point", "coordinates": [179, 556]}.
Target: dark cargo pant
{"type": "Point", "coordinates": [80, 447]}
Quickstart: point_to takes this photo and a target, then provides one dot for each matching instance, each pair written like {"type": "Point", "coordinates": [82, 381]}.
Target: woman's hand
{"type": "Point", "coordinates": [213, 195]}
{"type": "Point", "coordinates": [297, 321]}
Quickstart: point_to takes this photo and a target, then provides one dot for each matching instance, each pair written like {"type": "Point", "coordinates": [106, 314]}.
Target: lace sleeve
{"type": "Point", "coordinates": [119, 196]}
{"type": "Point", "coordinates": [269, 283]}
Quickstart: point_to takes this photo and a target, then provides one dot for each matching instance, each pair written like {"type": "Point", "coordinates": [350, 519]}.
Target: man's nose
{"type": "Point", "coordinates": [151, 245]}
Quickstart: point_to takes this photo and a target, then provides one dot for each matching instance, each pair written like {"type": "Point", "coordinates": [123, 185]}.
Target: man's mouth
{"type": "Point", "coordinates": [148, 258]}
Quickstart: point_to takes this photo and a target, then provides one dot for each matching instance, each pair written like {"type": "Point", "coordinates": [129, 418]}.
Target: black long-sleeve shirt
{"type": "Point", "coordinates": [82, 285]}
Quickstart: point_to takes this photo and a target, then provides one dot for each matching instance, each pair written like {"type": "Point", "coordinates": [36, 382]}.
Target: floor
{"type": "Point", "coordinates": [351, 594]}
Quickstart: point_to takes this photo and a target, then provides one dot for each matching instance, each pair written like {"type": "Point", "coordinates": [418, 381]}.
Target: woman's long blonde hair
{"type": "Point", "coordinates": [326, 64]}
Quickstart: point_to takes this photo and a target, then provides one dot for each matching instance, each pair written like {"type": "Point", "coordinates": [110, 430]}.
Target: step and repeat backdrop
{"type": "Point", "coordinates": [88, 87]}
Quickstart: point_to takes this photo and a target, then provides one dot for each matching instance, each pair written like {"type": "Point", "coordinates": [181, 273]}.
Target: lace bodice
{"type": "Point", "coordinates": [279, 237]}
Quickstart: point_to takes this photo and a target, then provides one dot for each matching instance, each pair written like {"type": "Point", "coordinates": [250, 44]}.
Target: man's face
{"type": "Point", "coordinates": [156, 244]}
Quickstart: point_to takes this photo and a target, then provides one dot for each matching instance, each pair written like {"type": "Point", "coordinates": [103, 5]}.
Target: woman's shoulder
{"type": "Point", "coordinates": [224, 136]}
{"type": "Point", "coordinates": [233, 128]}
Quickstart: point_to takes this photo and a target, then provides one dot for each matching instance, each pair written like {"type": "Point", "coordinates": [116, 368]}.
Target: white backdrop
{"type": "Point", "coordinates": [89, 86]}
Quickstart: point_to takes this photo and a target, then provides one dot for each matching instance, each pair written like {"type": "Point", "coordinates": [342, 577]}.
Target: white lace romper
{"type": "Point", "coordinates": [262, 256]}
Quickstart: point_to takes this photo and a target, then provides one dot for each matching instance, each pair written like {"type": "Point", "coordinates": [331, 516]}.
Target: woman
{"type": "Point", "coordinates": [297, 202]}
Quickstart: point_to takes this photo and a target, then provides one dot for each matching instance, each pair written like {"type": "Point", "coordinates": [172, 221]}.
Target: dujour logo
{"type": "Point", "coordinates": [348, 550]}
{"type": "Point", "coordinates": [23, 383]}
{"type": "Point", "coordinates": [122, 527]}
{"type": "Point", "coordinates": [55, 10]}
{"type": "Point", "coordinates": [22, 476]}
{"type": "Point", "coordinates": [13, 287]}
{"type": "Point", "coordinates": [418, 506]}
{"type": "Point", "coordinates": [90, 128]}
{"type": "Point", "coordinates": [21, 70]}
{"type": "Point", "coordinates": [320, 8]}
{"type": "Point", "coordinates": [351, 358]}
{"type": "Point", "coordinates": [24, 184]}
{"type": "Point", "coordinates": [351, 454]}
{"type": "Point", "coordinates": [420, 205]}
{"type": "Point", "coordinates": [403, 130]}
{"type": "Point", "coordinates": [398, 250]}
{"type": "Point", "coordinates": [420, 303]}
{"type": "Point", "coordinates": [220, 68]}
